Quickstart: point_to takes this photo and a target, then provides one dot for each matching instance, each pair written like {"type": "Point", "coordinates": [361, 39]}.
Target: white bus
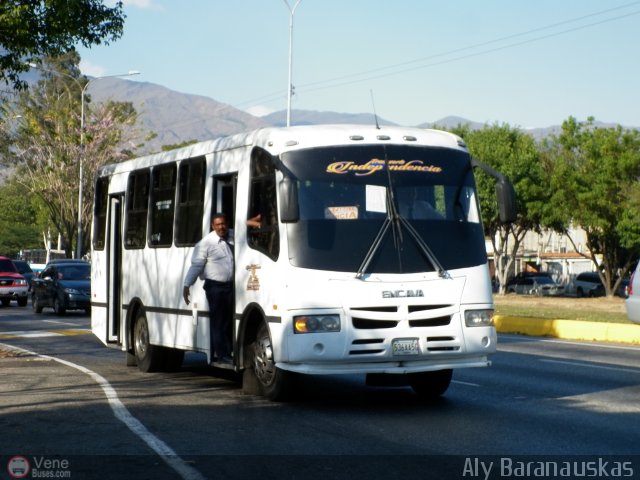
{"type": "Point", "coordinates": [370, 258]}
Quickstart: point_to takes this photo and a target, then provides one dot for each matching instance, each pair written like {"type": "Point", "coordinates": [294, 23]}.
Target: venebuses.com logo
{"type": "Point", "coordinates": [18, 467]}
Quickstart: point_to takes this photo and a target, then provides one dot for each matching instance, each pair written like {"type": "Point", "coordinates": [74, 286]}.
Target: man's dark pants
{"type": "Point", "coordinates": [220, 297]}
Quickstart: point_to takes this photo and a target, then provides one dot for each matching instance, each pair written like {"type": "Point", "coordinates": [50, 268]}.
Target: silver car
{"type": "Point", "coordinates": [534, 285]}
{"type": "Point", "coordinates": [632, 303]}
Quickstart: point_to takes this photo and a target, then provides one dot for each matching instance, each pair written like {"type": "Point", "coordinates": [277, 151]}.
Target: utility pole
{"type": "Point", "coordinates": [292, 11]}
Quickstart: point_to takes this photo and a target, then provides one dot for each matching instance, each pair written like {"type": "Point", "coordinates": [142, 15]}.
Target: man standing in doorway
{"type": "Point", "coordinates": [212, 261]}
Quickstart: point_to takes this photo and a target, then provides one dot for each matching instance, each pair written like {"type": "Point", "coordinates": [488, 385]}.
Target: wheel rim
{"type": "Point", "coordinates": [141, 340]}
{"type": "Point", "coordinates": [263, 363]}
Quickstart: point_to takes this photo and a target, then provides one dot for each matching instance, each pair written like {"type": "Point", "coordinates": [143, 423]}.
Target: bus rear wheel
{"type": "Point", "coordinates": [430, 384]}
{"type": "Point", "coordinates": [148, 357]}
{"type": "Point", "coordinates": [274, 383]}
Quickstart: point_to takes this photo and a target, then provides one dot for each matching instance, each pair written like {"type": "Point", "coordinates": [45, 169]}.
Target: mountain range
{"type": "Point", "coordinates": [176, 117]}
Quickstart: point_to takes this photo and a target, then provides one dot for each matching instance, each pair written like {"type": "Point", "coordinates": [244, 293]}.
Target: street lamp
{"type": "Point", "coordinates": [292, 11]}
{"type": "Point", "coordinates": [81, 173]}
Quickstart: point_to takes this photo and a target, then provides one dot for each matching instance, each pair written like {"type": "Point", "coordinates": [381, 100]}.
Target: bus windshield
{"type": "Point", "coordinates": [346, 194]}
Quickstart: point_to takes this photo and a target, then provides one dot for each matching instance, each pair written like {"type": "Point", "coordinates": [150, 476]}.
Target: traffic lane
{"type": "Point", "coordinates": [523, 404]}
{"type": "Point", "coordinates": [52, 413]}
{"type": "Point", "coordinates": [621, 354]}
{"type": "Point", "coordinates": [543, 368]}
{"type": "Point", "coordinates": [559, 405]}
{"type": "Point", "coordinates": [22, 319]}
{"type": "Point", "coordinates": [510, 408]}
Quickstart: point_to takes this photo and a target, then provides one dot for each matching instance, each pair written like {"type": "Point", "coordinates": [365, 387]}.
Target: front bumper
{"type": "Point", "coordinates": [77, 302]}
{"type": "Point", "coordinates": [14, 293]}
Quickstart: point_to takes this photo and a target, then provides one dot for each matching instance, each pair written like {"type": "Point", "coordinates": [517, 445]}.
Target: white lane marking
{"type": "Point", "coordinates": [28, 334]}
{"type": "Point", "coordinates": [42, 333]}
{"type": "Point", "coordinates": [163, 450]}
{"type": "Point", "coordinates": [590, 365]}
{"type": "Point", "coordinates": [58, 322]}
{"type": "Point", "coordinates": [469, 384]}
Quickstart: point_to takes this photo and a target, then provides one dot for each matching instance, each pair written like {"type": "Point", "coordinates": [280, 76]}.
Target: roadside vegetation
{"type": "Point", "coordinates": [598, 309]}
{"type": "Point", "coordinates": [586, 175]}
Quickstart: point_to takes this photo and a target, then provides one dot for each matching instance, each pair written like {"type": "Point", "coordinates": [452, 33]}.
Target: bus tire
{"type": "Point", "coordinates": [173, 358]}
{"type": "Point", "coordinates": [430, 384]}
{"type": "Point", "coordinates": [148, 357]}
{"type": "Point", "coordinates": [274, 383]}
{"type": "Point", "coordinates": [130, 360]}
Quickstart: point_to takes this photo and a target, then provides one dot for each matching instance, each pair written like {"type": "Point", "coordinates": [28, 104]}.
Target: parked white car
{"type": "Point", "coordinates": [632, 303]}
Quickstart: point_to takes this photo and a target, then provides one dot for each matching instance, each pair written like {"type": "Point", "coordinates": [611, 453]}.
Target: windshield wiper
{"type": "Point", "coordinates": [396, 222]}
{"type": "Point", "coordinates": [424, 248]}
{"type": "Point", "coordinates": [374, 248]}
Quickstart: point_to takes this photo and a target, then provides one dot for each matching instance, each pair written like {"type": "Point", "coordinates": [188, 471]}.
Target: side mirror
{"type": "Point", "coordinates": [289, 209]}
{"type": "Point", "coordinates": [505, 193]}
{"type": "Point", "coordinates": [507, 205]}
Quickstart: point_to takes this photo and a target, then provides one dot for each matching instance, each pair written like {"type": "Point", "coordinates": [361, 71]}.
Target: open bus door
{"type": "Point", "coordinates": [114, 269]}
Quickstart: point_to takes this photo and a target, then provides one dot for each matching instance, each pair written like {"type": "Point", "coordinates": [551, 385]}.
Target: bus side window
{"type": "Point", "coordinates": [190, 207]}
{"type": "Point", "coordinates": [163, 196]}
{"type": "Point", "coordinates": [136, 211]}
{"type": "Point", "coordinates": [262, 201]}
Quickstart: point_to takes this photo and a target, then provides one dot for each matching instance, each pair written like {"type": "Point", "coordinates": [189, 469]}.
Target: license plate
{"type": "Point", "coordinates": [405, 346]}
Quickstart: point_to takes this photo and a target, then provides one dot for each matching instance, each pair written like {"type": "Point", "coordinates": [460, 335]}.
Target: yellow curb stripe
{"type": "Point", "coordinates": [74, 331]}
{"type": "Point", "coordinates": [569, 329]}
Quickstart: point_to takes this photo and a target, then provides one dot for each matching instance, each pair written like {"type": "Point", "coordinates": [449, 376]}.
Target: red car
{"type": "Point", "coordinates": [13, 286]}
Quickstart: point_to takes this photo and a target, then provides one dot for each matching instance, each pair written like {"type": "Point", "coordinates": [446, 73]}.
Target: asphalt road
{"type": "Point", "coordinates": [67, 398]}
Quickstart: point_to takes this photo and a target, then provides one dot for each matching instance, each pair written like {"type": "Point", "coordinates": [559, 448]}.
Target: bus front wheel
{"type": "Point", "coordinates": [148, 357]}
{"type": "Point", "coordinates": [274, 383]}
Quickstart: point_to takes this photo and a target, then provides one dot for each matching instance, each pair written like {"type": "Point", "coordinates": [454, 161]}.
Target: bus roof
{"type": "Point", "coordinates": [280, 139]}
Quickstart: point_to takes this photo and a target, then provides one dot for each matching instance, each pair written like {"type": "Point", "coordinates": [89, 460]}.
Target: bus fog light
{"type": "Point", "coordinates": [478, 318]}
{"type": "Point", "coordinates": [316, 323]}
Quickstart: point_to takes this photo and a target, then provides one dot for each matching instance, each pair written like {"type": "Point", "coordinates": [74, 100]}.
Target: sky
{"type": "Point", "coordinates": [522, 62]}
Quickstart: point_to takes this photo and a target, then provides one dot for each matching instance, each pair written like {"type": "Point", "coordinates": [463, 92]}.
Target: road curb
{"type": "Point", "coordinates": [569, 329]}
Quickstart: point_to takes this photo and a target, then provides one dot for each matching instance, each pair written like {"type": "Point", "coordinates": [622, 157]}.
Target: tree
{"type": "Point", "coordinates": [31, 29]}
{"type": "Point", "coordinates": [18, 220]}
{"type": "Point", "coordinates": [47, 148]}
{"type": "Point", "coordinates": [595, 182]}
{"type": "Point", "coordinates": [513, 153]}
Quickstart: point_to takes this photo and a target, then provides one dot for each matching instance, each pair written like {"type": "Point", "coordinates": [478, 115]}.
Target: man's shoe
{"type": "Point", "coordinates": [225, 362]}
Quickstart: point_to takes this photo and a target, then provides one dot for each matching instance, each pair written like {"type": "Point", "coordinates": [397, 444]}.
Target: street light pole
{"type": "Point", "coordinates": [292, 11]}
{"type": "Point", "coordinates": [83, 89]}
{"type": "Point", "coordinates": [81, 167]}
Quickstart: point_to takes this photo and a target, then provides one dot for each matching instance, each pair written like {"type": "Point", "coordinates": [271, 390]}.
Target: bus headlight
{"type": "Point", "coordinates": [316, 323]}
{"type": "Point", "coordinates": [478, 318]}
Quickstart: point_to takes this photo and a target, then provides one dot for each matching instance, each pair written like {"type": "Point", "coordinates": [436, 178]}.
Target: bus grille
{"type": "Point", "coordinates": [369, 324]}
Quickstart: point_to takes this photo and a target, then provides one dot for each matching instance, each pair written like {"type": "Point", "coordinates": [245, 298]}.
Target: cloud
{"type": "Point", "coordinates": [259, 110]}
{"type": "Point", "coordinates": [141, 4]}
{"type": "Point", "coordinates": [91, 69]}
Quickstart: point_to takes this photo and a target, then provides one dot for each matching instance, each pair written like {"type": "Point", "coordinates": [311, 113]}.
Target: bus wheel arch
{"type": "Point", "coordinates": [260, 375]}
{"type": "Point", "coordinates": [251, 319]}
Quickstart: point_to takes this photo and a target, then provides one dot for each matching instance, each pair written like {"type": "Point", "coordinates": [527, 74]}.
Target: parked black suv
{"type": "Point", "coordinates": [63, 285]}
